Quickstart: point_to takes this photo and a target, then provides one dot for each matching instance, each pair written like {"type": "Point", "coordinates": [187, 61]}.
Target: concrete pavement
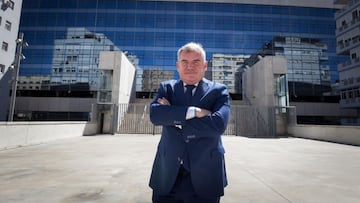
{"type": "Point", "coordinates": [117, 168]}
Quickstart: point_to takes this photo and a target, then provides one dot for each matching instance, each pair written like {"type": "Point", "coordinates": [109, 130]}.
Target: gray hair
{"type": "Point", "coordinates": [192, 46]}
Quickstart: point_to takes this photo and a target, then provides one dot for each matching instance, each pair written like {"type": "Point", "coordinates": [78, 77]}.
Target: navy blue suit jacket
{"type": "Point", "coordinates": [198, 138]}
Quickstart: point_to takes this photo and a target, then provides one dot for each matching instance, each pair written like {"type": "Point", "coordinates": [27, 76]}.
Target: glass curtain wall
{"type": "Point", "coordinates": [154, 30]}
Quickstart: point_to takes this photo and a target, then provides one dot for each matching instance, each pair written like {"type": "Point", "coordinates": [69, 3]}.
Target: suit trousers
{"type": "Point", "coordinates": [183, 191]}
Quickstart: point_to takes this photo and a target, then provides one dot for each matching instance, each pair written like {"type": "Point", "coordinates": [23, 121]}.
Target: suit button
{"type": "Point", "coordinates": [180, 160]}
{"type": "Point", "coordinates": [187, 141]}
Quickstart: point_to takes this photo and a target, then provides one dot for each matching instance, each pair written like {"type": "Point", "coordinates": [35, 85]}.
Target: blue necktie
{"type": "Point", "coordinates": [188, 100]}
{"type": "Point", "coordinates": [188, 93]}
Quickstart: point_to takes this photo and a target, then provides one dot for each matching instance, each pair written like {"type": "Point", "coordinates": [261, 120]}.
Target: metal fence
{"type": "Point", "coordinates": [244, 120]}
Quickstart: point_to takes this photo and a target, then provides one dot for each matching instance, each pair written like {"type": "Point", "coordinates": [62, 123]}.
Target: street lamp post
{"type": "Point", "coordinates": [20, 43]}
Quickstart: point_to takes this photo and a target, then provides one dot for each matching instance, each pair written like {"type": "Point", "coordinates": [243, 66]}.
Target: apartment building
{"type": "Point", "coordinates": [10, 11]}
{"type": "Point", "coordinates": [153, 77]}
{"type": "Point", "coordinates": [348, 44]}
{"type": "Point", "coordinates": [226, 69]}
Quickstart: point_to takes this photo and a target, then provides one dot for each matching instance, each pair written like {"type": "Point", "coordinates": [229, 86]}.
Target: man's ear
{"type": "Point", "coordinates": [205, 65]}
{"type": "Point", "coordinates": [177, 65]}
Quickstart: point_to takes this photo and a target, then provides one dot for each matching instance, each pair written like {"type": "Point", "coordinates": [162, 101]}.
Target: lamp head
{"type": "Point", "coordinates": [12, 66]}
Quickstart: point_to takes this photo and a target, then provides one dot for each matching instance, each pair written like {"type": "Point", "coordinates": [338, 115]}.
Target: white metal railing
{"type": "Point", "coordinates": [348, 64]}
{"type": "Point", "coordinates": [245, 120]}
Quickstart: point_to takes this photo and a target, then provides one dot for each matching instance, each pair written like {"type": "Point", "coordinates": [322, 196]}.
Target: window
{"type": "Point", "coordinates": [351, 80]}
{"type": "Point", "coordinates": [355, 15]}
{"type": "Point", "coordinates": [353, 56]}
{"type": "Point", "coordinates": [8, 25]}
{"type": "Point", "coordinates": [343, 95]}
{"type": "Point", "coordinates": [4, 46]}
{"type": "Point", "coordinates": [2, 68]}
{"type": "Point", "coordinates": [71, 58]}
{"type": "Point", "coordinates": [357, 92]}
{"type": "Point", "coordinates": [11, 4]}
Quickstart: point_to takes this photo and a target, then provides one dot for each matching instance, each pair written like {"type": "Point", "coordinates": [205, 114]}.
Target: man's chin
{"type": "Point", "coordinates": [191, 81]}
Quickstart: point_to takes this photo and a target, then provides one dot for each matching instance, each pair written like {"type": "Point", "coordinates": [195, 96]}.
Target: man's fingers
{"type": "Point", "coordinates": [163, 101]}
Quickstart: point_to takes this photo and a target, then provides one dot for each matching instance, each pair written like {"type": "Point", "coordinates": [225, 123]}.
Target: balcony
{"type": "Point", "coordinates": [349, 64]}
{"type": "Point", "coordinates": [340, 29]}
{"type": "Point", "coordinates": [346, 26]}
{"type": "Point", "coordinates": [354, 21]}
{"type": "Point", "coordinates": [350, 103]}
{"type": "Point", "coordinates": [345, 47]}
{"type": "Point", "coordinates": [350, 5]}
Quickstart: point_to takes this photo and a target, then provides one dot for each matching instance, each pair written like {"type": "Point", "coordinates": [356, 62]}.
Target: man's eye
{"type": "Point", "coordinates": [196, 63]}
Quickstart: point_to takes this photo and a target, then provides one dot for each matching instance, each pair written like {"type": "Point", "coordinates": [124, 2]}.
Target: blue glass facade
{"type": "Point", "coordinates": [153, 31]}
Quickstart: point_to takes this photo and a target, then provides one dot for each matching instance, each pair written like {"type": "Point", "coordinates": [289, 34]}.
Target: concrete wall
{"type": "Point", "coordinates": [54, 104]}
{"type": "Point", "coordinates": [339, 134]}
{"type": "Point", "coordinates": [321, 109]}
{"type": "Point", "coordinates": [123, 75]}
{"type": "Point", "coordinates": [258, 81]}
{"type": "Point", "coordinates": [122, 86]}
{"type": "Point", "coordinates": [259, 89]}
{"type": "Point", "coordinates": [16, 134]}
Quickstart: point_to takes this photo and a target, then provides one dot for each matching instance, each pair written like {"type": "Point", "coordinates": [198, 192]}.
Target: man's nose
{"type": "Point", "coordinates": [191, 65]}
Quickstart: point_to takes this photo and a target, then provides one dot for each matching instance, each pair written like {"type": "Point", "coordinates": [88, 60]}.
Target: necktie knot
{"type": "Point", "coordinates": [189, 93]}
{"type": "Point", "coordinates": [189, 87]}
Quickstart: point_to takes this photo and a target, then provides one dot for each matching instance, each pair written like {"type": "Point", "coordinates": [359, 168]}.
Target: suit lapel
{"type": "Point", "coordinates": [179, 93]}
{"type": "Point", "coordinates": [201, 89]}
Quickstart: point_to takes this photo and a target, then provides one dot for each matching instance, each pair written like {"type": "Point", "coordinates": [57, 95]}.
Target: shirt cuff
{"type": "Point", "coordinates": [191, 112]}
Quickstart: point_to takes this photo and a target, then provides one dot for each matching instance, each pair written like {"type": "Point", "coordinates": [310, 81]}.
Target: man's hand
{"type": "Point", "coordinates": [202, 112]}
{"type": "Point", "coordinates": [163, 101]}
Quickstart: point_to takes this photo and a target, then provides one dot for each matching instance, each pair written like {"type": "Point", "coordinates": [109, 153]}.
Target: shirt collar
{"type": "Point", "coordinates": [196, 84]}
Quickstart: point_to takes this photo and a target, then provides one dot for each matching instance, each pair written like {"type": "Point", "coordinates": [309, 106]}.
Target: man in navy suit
{"type": "Point", "coordinates": [189, 165]}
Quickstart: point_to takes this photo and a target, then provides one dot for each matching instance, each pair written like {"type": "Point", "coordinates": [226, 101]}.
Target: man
{"type": "Point", "coordinates": [189, 166]}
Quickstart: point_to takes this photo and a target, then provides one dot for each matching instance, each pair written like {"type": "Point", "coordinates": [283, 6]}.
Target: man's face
{"type": "Point", "coordinates": [191, 67]}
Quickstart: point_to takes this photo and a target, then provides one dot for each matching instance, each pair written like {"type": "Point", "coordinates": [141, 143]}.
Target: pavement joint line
{"type": "Point", "coordinates": [261, 180]}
